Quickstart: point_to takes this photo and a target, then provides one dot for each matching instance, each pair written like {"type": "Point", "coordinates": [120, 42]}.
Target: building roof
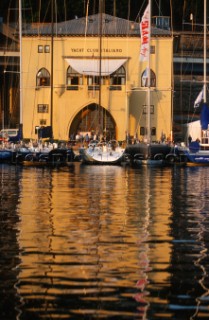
{"type": "Point", "coordinates": [91, 26]}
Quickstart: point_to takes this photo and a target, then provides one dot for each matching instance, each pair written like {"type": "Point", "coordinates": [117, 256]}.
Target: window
{"type": "Point", "coordinates": [94, 80]}
{"type": "Point", "coordinates": [151, 109]}
{"type": "Point", "coordinates": [47, 49]}
{"type": "Point", "coordinates": [40, 49]}
{"type": "Point", "coordinates": [118, 77]}
{"type": "Point", "coordinates": [43, 108]}
{"type": "Point", "coordinates": [144, 78]}
{"type": "Point", "coordinates": [73, 77]}
{"type": "Point", "coordinates": [142, 131]}
{"type": "Point", "coordinates": [153, 131]}
{"type": "Point", "coordinates": [152, 50]}
{"type": "Point", "coordinates": [43, 78]}
{"type": "Point", "coordinates": [42, 122]}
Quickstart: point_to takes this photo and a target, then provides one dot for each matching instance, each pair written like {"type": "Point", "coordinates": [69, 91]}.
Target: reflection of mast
{"type": "Point", "coordinates": [198, 263]}
{"type": "Point", "coordinates": [100, 66]}
{"type": "Point", "coordinates": [143, 257]}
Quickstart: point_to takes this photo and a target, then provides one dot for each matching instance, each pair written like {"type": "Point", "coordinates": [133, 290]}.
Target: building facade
{"type": "Point", "coordinates": [85, 75]}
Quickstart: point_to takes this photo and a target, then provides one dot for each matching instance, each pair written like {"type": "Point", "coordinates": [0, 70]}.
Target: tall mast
{"type": "Point", "coordinates": [20, 41]}
{"type": "Point", "coordinates": [205, 52]}
{"type": "Point", "coordinates": [52, 62]}
{"type": "Point", "coordinates": [149, 79]}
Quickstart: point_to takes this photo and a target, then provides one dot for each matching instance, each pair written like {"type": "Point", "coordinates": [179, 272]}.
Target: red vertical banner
{"type": "Point", "coordinates": [145, 34]}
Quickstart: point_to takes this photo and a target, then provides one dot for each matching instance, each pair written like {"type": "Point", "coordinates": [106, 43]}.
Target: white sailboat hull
{"type": "Point", "coordinates": [102, 154]}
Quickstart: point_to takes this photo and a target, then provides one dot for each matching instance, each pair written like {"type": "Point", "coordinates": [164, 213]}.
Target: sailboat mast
{"type": "Point", "coordinates": [52, 63]}
{"type": "Point", "coordinates": [20, 41]}
{"type": "Point", "coordinates": [149, 80]}
{"type": "Point", "coordinates": [205, 52]}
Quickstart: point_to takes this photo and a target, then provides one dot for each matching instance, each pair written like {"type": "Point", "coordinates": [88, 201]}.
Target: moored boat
{"type": "Point", "coordinates": [110, 153]}
{"type": "Point", "coordinates": [152, 154]}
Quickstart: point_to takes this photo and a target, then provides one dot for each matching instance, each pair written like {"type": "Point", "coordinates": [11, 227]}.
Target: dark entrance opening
{"type": "Point", "coordinates": [94, 120]}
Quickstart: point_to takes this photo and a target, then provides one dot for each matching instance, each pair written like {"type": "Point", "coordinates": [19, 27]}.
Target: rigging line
{"type": "Point", "coordinates": [46, 11]}
{"type": "Point", "coordinates": [65, 13]}
{"type": "Point", "coordinates": [140, 116]}
{"type": "Point", "coordinates": [172, 74]}
{"type": "Point", "coordinates": [165, 121]}
{"type": "Point", "coordinates": [13, 45]}
{"type": "Point", "coordinates": [55, 22]}
{"type": "Point", "coordinates": [39, 13]}
{"type": "Point", "coordinates": [126, 73]}
{"type": "Point", "coordinates": [87, 13]}
{"type": "Point", "coordinates": [139, 13]}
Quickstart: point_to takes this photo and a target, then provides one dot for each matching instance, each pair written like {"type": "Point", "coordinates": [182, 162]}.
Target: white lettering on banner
{"type": "Point", "coordinates": [145, 36]}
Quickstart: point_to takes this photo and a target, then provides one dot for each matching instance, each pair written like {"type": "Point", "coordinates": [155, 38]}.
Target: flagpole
{"type": "Point", "coordinates": [149, 80]}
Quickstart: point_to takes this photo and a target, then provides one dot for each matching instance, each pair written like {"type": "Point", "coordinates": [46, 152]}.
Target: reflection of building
{"type": "Point", "coordinates": [98, 81]}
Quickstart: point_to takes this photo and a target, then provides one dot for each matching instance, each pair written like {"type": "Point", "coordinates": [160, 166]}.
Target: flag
{"type": "Point", "coordinates": [198, 99]}
{"type": "Point", "coordinates": [145, 34]}
{"type": "Point", "coordinates": [204, 117]}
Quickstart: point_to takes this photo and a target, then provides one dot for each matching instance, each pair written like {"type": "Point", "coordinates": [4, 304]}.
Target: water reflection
{"type": "Point", "coordinates": [191, 244]}
{"type": "Point", "coordinates": [104, 242]}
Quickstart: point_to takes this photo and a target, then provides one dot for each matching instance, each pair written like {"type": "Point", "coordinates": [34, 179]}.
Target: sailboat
{"type": "Point", "coordinates": [147, 152]}
{"type": "Point", "coordinates": [103, 152]}
{"type": "Point", "coordinates": [197, 153]}
{"type": "Point", "coordinates": [109, 153]}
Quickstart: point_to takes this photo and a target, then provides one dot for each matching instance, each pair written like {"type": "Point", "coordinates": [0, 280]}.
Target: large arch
{"type": "Point", "coordinates": [94, 120]}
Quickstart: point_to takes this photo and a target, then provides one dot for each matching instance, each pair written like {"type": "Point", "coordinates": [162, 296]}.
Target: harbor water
{"type": "Point", "coordinates": [104, 242]}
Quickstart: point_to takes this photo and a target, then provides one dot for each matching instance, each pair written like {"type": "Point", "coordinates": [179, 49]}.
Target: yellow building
{"type": "Point", "coordinates": [84, 75]}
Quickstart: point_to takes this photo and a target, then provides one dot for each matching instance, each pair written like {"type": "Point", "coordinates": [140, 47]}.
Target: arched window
{"type": "Point", "coordinates": [144, 78]}
{"type": "Point", "coordinates": [43, 78]}
{"type": "Point", "coordinates": [118, 77]}
{"type": "Point", "coordinates": [73, 77]}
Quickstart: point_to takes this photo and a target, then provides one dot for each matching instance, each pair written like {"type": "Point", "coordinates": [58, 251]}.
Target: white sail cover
{"type": "Point", "coordinates": [92, 66]}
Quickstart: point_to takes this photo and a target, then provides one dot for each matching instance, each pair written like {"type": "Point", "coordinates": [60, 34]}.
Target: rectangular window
{"type": "Point", "coordinates": [72, 88]}
{"type": "Point", "coordinates": [42, 122]}
{"type": "Point", "coordinates": [142, 131]}
{"type": "Point", "coordinates": [115, 88]}
{"type": "Point", "coordinates": [153, 131]}
{"type": "Point", "coordinates": [40, 49]}
{"type": "Point", "coordinates": [43, 108]}
{"type": "Point", "coordinates": [47, 49]}
{"type": "Point", "coordinates": [94, 87]}
{"type": "Point", "coordinates": [151, 109]}
{"type": "Point", "coordinates": [152, 50]}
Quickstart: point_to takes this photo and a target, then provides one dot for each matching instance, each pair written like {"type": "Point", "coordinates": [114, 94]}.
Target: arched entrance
{"type": "Point", "coordinates": [94, 120]}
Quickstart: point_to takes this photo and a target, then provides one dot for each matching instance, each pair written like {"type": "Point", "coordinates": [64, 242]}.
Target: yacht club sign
{"type": "Point", "coordinates": [96, 50]}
